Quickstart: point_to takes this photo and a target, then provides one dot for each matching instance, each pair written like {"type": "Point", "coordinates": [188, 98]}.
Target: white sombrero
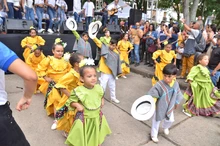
{"type": "Point", "coordinates": [143, 108]}
{"type": "Point", "coordinates": [71, 24]}
{"type": "Point", "coordinates": [94, 29]}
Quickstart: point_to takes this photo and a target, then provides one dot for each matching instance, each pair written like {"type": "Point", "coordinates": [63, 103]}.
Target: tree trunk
{"type": "Point", "coordinates": [194, 10]}
{"type": "Point", "coordinates": [186, 10]}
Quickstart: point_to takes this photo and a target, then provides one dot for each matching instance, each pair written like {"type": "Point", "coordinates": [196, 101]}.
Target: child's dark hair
{"type": "Point", "coordinates": [75, 58]}
{"type": "Point", "coordinates": [38, 48]}
{"type": "Point", "coordinates": [82, 69]}
{"type": "Point", "coordinates": [85, 33]}
{"type": "Point", "coordinates": [123, 35]}
{"type": "Point", "coordinates": [200, 57]}
{"type": "Point", "coordinates": [170, 69]}
{"type": "Point", "coordinates": [113, 41]}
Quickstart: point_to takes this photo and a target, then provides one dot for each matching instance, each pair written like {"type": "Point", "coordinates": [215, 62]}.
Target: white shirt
{"type": "Point", "coordinates": [62, 3]}
{"type": "Point", "coordinates": [3, 14]}
{"type": "Point", "coordinates": [10, 1]}
{"type": "Point", "coordinates": [17, 3]}
{"type": "Point", "coordinates": [77, 6]}
{"type": "Point", "coordinates": [3, 94]}
{"type": "Point", "coordinates": [89, 8]}
{"type": "Point", "coordinates": [29, 3]}
{"type": "Point", "coordinates": [178, 55]}
{"type": "Point", "coordinates": [113, 6]}
{"type": "Point", "coordinates": [39, 2]}
{"type": "Point", "coordinates": [52, 2]}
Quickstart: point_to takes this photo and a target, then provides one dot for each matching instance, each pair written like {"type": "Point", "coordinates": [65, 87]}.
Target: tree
{"type": "Point", "coordinates": [175, 4]}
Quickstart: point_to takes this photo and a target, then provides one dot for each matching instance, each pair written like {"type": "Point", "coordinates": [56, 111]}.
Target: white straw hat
{"type": "Point", "coordinates": [71, 24]}
{"type": "Point", "coordinates": [94, 29]}
{"type": "Point", "coordinates": [143, 108]}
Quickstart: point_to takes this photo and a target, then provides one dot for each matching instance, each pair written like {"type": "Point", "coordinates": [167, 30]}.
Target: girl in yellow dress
{"type": "Point", "coordinates": [64, 86]}
{"type": "Point", "coordinates": [52, 68]}
{"type": "Point", "coordinates": [28, 42]}
{"type": "Point", "coordinates": [124, 48]}
{"type": "Point", "coordinates": [34, 59]}
{"type": "Point", "coordinates": [166, 56]}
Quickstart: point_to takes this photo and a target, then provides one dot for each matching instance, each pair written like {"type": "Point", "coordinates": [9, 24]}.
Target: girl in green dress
{"type": "Point", "coordinates": [202, 98]}
{"type": "Point", "coordinates": [90, 126]}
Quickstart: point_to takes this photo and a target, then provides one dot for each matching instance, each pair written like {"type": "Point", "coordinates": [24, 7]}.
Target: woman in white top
{"type": "Point", "coordinates": [17, 9]}
{"type": "Point", "coordinates": [61, 9]}
{"type": "Point", "coordinates": [39, 7]}
{"type": "Point", "coordinates": [29, 11]}
{"type": "Point", "coordinates": [51, 9]}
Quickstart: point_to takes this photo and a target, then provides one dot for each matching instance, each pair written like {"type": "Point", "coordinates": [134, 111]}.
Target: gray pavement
{"type": "Point", "coordinates": [126, 131]}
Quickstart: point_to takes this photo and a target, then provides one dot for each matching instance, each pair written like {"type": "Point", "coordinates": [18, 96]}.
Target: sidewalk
{"type": "Point", "coordinates": [146, 71]}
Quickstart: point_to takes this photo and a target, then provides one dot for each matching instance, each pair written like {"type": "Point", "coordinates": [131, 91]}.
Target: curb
{"type": "Point", "coordinates": [149, 74]}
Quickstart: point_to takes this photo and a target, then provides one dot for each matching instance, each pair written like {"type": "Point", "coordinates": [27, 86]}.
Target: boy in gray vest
{"type": "Point", "coordinates": [168, 95]}
{"type": "Point", "coordinates": [82, 45]}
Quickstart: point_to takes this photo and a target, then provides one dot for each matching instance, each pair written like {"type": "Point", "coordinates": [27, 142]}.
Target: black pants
{"type": "Point", "coordinates": [178, 63]}
{"type": "Point", "coordinates": [10, 132]}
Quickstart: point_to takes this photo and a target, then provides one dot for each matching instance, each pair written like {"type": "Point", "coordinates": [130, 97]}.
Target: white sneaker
{"type": "Point", "coordinates": [115, 100]}
{"type": "Point", "coordinates": [50, 30]}
{"type": "Point", "coordinates": [155, 139]}
{"type": "Point", "coordinates": [54, 126]}
{"type": "Point", "coordinates": [189, 115]}
{"type": "Point", "coordinates": [116, 78]}
{"type": "Point", "coordinates": [124, 77]}
{"type": "Point", "coordinates": [166, 131]}
{"type": "Point", "coordinates": [41, 30]}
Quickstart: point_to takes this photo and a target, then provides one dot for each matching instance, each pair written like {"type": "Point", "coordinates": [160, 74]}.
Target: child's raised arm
{"type": "Point", "coordinates": [76, 34]}
{"type": "Point", "coordinates": [98, 42]}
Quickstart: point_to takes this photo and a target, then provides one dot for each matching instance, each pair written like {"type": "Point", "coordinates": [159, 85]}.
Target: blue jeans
{"type": "Point", "coordinates": [76, 17]}
{"type": "Point", "coordinates": [39, 12]}
{"type": "Point", "coordinates": [214, 78]}
{"type": "Point", "coordinates": [88, 21]}
{"type": "Point", "coordinates": [17, 14]}
{"type": "Point", "coordinates": [51, 13]}
{"type": "Point", "coordinates": [29, 15]}
{"type": "Point", "coordinates": [104, 19]}
{"type": "Point", "coordinates": [135, 54]}
{"type": "Point", "coordinates": [114, 19]}
{"type": "Point", "coordinates": [10, 10]}
{"type": "Point", "coordinates": [61, 15]}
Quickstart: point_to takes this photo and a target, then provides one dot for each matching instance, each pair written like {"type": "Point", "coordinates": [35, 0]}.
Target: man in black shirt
{"type": "Point", "coordinates": [214, 62]}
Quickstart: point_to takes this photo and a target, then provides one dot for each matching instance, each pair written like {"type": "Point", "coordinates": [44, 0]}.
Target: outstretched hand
{"type": "Point", "coordinates": [23, 103]}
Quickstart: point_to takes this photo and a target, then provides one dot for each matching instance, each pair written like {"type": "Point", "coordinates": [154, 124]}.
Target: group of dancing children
{"type": "Point", "coordinates": [74, 98]}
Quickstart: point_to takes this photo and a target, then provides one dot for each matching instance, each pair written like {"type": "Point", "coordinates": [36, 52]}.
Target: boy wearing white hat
{"type": "Point", "coordinates": [168, 95]}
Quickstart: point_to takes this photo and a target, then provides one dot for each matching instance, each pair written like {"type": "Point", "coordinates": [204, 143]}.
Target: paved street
{"type": "Point", "coordinates": [126, 131]}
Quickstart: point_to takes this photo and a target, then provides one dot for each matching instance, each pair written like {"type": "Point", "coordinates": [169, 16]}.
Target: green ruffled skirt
{"type": "Point", "coordinates": [88, 131]}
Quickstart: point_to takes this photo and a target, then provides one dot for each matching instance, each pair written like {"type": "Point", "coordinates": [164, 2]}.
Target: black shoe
{"type": "Point", "coordinates": [146, 63]}
{"type": "Point", "coordinates": [131, 63]}
{"type": "Point", "coordinates": [137, 64]}
{"type": "Point", "coordinates": [150, 65]}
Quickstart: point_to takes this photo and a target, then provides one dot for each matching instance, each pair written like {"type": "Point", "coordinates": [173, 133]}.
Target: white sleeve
{"type": "Point", "coordinates": [93, 7]}
{"type": "Point", "coordinates": [84, 6]}
{"type": "Point", "coordinates": [109, 7]}
{"type": "Point", "coordinates": [195, 32]}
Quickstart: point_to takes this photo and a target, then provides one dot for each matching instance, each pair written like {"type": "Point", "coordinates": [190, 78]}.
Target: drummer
{"type": "Point", "coordinates": [168, 95]}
